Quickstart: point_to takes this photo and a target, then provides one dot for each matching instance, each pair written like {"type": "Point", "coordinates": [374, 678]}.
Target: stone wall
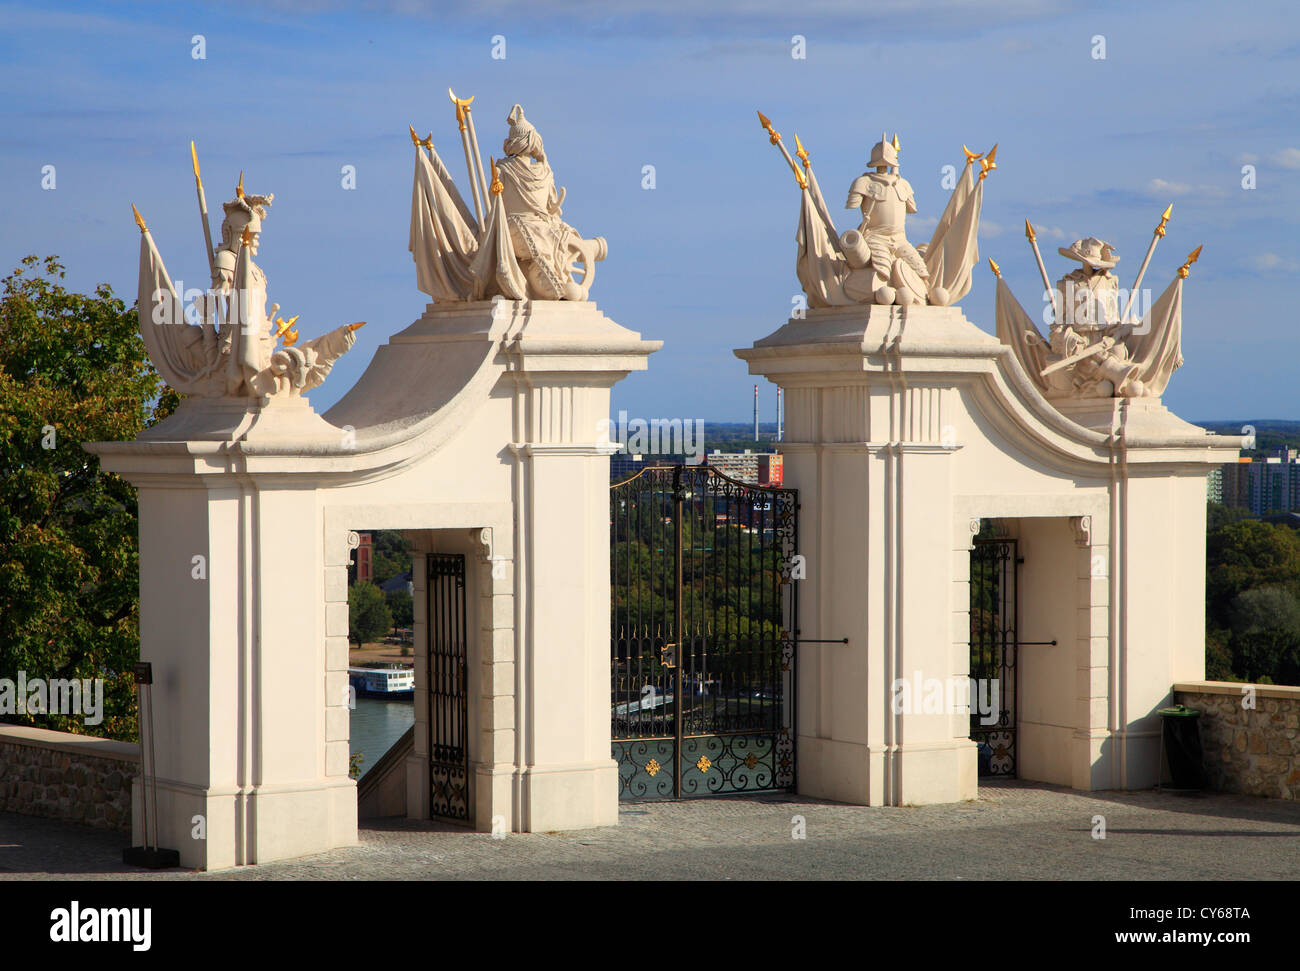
{"type": "Point", "coordinates": [63, 776]}
{"type": "Point", "coordinates": [1249, 750]}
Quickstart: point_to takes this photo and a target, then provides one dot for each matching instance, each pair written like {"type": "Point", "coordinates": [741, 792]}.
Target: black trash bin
{"type": "Point", "coordinates": [1182, 744]}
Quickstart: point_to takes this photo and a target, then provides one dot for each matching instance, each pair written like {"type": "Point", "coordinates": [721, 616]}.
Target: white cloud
{"type": "Point", "coordinates": [1287, 158]}
{"type": "Point", "coordinates": [1272, 262]}
{"type": "Point", "coordinates": [1051, 232]}
{"type": "Point", "coordinates": [1161, 187]}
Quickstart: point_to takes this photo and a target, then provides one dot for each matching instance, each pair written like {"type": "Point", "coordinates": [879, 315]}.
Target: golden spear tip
{"type": "Point", "coordinates": [897, 146]}
{"type": "Point", "coordinates": [139, 221]}
{"type": "Point", "coordinates": [1164, 220]}
{"type": "Point", "coordinates": [1192, 257]}
{"type": "Point", "coordinates": [801, 151]}
{"type": "Point", "coordinates": [971, 156]}
{"type": "Point", "coordinates": [763, 120]}
{"type": "Point", "coordinates": [997, 271]}
{"type": "Point", "coordinates": [239, 187]}
{"type": "Point", "coordinates": [357, 326]}
{"type": "Point", "coordinates": [194, 157]}
{"type": "Point", "coordinates": [1029, 231]}
{"type": "Point", "coordinates": [496, 186]}
{"type": "Point", "coordinates": [414, 138]}
{"type": "Point", "coordinates": [993, 154]}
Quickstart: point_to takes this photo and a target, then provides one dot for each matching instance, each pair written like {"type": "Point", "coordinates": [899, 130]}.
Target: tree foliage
{"type": "Point", "coordinates": [368, 613]}
{"type": "Point", "coordinates": [1253, 602]}
{"type": "Point", "coordinates": [73, 369]}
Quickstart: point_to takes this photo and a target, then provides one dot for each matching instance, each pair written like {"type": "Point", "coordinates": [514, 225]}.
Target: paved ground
{"type": "Point", "coordinates": [1014, 831]}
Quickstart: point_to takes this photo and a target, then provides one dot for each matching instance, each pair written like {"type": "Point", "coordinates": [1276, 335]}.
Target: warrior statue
{"type": "Point", "coordinates": [899, 273]}
{"type": "Point", "coordinates": [544, 244]}
{"type": "Point", "coordinates": [1087, 321]}
{"type": "Point", "coordinates": [232, 351]}
{"type": "Point", "coordinates": [1094, 349]}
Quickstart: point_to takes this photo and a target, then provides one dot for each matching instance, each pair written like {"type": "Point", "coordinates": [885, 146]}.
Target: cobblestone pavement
{"type": "Point", "coordinates": [1013, 831]}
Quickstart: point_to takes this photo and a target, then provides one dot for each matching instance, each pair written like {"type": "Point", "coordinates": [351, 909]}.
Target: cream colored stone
{"type": "Point", "coordinates": [877, 524]}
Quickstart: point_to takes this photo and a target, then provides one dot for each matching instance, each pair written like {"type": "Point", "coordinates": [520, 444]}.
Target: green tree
{"type": "Point", "coordinates": [1243, 555]}
{"type": "Point", "coordinates": [73, 369]}
{"type": "Point", "coordinates": [402, 607]}
{"type": "Point", "coordinates": [1266, 634]}
{"type": "Point", "coordinates": [368, 614]}
{"type": "Point", "coordinates": [1218, 515]}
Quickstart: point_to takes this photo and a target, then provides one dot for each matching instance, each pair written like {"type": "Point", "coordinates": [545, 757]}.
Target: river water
{"type": "Point", "coordinates": [376, 724]}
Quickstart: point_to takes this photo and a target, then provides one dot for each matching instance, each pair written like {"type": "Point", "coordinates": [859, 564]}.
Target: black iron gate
{"type": "Point", "coordinates": [994, 618]}
{"type": "Point", "coordinates": [448, 688]}
{"type": "Point", "coordinates": [703, 628]}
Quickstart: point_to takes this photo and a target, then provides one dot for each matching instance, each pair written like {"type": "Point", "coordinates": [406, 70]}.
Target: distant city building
{"type": "Point", "coordinates": [1261, 486]}
{"type": "Point", "coordinates": [624, 465]}
{"type": "Point", "coordinates": [1214, 485]}
{"type": "Point", "coordinates": [365, 567]}
{"type": "Point", "coordinates": [756, 468]}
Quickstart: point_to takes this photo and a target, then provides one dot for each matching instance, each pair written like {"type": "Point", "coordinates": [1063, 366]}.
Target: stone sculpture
{"type": "Point", "coordinates": [876, 263]}
{"type": "Point", "coordinates": [231, 351]}
{"type": "Point", "coordinates": [1093, 348]}
{"type": "Point", "coordinates": [515, 244]}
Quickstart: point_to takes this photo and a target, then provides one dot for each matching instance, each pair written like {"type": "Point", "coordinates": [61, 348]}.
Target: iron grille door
{"type": "Point", "coordinates": [703, 628]}
{"type": "Point", "coordinates": [448, 688]}
{"type": "Point", "coordinates": [994, 617]}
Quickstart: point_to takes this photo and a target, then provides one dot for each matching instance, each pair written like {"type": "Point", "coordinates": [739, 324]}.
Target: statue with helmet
{"type": "Point", "coordinates": [223, 343]}
{"type": "Point", "coordinates": [898, 272]}
{"type": "Point", "coordinates": [876, 263]}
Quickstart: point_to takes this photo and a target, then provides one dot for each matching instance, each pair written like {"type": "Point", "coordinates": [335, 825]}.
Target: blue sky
{"type": "Point", "coordinates": [290, 92]}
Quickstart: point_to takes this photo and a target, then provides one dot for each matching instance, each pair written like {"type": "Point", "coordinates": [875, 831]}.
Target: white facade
{"type": "Point", "coordinates": [905, 427]}
{"type": "Point", "coordinates": [480, 426]}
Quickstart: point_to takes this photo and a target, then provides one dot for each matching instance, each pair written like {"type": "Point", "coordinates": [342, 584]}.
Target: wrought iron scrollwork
{"type": "Point", "coordinates": [703, 633]}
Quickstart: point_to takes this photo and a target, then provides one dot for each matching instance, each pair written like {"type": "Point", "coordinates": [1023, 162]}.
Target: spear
{"type": "Point", "coordinates": [775, 138]}
{"type": "Point", "coordinates": [1155, 238]}
{"type": "Point", "coordinates": [1042, 270]}
{"type": "Point", "coordinates": [988, 163]}
{"type": "Point", "coordinates": [203, 209]}
{"type": "Point", "coordinates": [473, 141]}
{"type": "Point", "coordinates": [462, 115]}
{"type": "Point", "coordinates": [1192, 257]}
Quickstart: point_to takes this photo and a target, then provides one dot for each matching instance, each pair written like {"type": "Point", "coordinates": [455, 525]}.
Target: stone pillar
{"type": "Point", "coordinates": [564, 358]}
{"type": "Point", "coordinates": [249, 640]}
{"type": "Point", "coordinates": [871, 452]}
{"type": "Point", "coordinates": [250, 681]}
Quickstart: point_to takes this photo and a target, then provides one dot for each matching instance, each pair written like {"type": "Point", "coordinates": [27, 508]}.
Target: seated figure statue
{"type": "Point", "coordinates": [544, 244]}
{"type": "Point", "coordinates": [1088, 317]}
{"type": "Point", "coordinates": [899, 274]}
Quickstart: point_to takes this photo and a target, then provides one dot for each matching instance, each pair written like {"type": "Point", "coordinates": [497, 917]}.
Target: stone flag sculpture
{"type": "Point", "coordinates": [876, 263]}
{"type": "Point", "coordinates": [514, 245]}
{"type": "Point", "coordinates": [225, 344]}
{"type": "Point", "coordinates": [1093, 349]}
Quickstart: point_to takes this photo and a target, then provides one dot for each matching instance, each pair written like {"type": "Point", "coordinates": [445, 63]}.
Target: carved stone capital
{"type": "Point", "coordinates": [1082, 526]}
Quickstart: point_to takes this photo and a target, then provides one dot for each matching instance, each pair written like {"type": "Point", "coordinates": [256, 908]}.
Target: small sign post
{"type": "Point", "coordinates": [149, 855]}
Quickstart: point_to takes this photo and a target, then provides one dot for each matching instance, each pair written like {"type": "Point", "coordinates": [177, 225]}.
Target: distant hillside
{"type": "Point", "coordinates": [1270, 434]}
